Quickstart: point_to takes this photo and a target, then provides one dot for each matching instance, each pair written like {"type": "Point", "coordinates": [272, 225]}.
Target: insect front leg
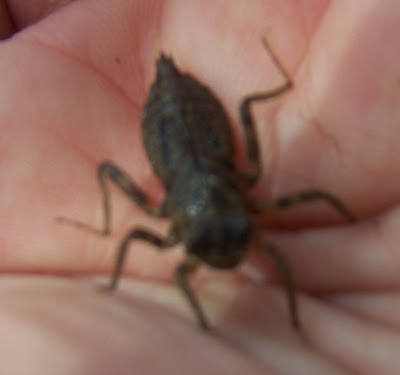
{"type": "Point", "coordinates": [184, 270]}
{"type": "Point", "coordinates": [138, 234]}
{"type": "Point", "coordinates": [284, 269]}
{"type": "Point", "coordinates": [247, 120]}
{"type": "Point", "coordinates": [120, 179]}
{"type": "Point", "coordinates": [304, 196]}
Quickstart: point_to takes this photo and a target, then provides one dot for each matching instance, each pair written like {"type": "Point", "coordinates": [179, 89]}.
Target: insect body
{"type": "Point", "coordinates": [188, 139]}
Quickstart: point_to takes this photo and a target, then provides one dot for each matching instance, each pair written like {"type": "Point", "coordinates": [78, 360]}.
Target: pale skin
{"type": "Point", "coordinates": [72, 87]}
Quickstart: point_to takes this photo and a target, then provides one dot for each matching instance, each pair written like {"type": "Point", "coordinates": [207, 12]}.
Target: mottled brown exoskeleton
{"type": "Point", "coordinates": [189, 142]}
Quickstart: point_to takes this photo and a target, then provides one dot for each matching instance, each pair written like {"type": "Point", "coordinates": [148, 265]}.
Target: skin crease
{"type": "Point", "coordinates": [74, 77]}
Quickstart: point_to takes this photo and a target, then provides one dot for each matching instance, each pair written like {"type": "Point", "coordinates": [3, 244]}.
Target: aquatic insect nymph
{"type": "Point", "coordinates": [189, 142]}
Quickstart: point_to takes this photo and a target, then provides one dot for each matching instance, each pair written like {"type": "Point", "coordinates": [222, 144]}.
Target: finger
{"type": "Point", "coordinates": [361, 256]}
{"type": "Point", "coordinates": [358, 344]}
{"type": "Point", "coordinates": [379, 307]}
{"type": "Point", "coordinates": [23, 14]}
{"type": "Point", "coordinates": [65, 327]}
{"type": "Point", "coordinates": [143, 328]}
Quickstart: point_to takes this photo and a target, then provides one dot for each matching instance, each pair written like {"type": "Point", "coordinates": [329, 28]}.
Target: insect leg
{"type": "Point", "coordinates": [305, 196]}
{"type": "Point", "coordinates": [284, 269]}
{"type": "Point", "coordinates": [247, 120]}
{"type": "Point", "coordinates": [120, 179]}
{"type": "Point", "coordinates": [181, 273]}
{"type": "Point", "coordinates": [137, 234]}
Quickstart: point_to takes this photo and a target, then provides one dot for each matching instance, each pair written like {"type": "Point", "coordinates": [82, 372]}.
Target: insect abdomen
{"type": "Point", "coordinates": [182, 122]}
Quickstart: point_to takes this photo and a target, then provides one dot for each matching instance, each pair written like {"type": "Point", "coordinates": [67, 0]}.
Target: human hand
{"type": "Point", "coordinates": [73, 85]}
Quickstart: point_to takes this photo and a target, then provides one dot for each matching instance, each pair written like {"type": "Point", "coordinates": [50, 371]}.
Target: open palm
{"type": "Point", "coordinates": [73, 83]}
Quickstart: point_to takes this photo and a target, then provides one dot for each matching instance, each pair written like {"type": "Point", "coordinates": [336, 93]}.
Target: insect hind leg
{"type": "Point", "coordinates": [247, 119]}
{"type": "Point", "coordinates": [285, 272]}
